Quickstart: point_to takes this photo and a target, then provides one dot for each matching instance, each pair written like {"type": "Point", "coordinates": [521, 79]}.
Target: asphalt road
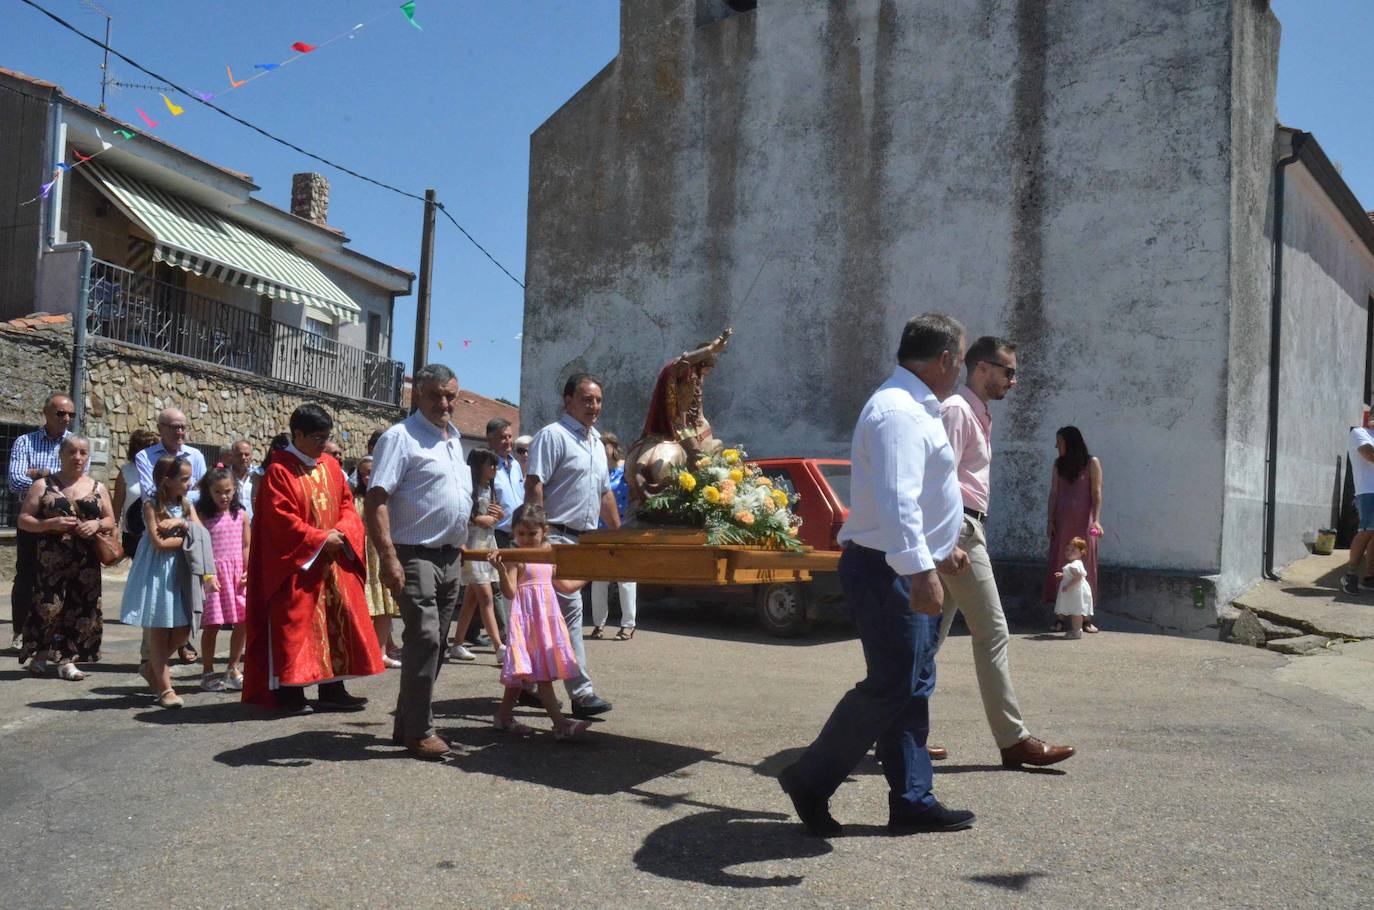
{"type": "Point", "coordinates": [1207, 777]}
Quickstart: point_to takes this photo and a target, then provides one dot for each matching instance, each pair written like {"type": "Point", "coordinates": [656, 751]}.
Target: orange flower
{"type": "Point", "coordinates": [744, 518]}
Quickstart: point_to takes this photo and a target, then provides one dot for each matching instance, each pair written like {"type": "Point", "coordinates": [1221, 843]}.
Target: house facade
{"type": "Point", "coordinates": [1102, 182]}
{"type": "Point", "coordinates": [162, 280]}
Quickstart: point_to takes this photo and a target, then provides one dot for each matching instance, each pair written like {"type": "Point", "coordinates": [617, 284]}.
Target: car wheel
{"type": "Point", "coordinates": [782, 609]}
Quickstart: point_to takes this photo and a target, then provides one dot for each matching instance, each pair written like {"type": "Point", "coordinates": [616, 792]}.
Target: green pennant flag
{"type": "Point", "coordinates": [409, 9]}
{"type": "Point", "coordinates": [124, 133]}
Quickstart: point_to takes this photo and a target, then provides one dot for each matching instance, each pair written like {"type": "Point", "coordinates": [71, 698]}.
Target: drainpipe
{"type": "Point", "coordinates": [57, 144]}
{"type": "Point", "coordinates": [79, 327]}
{"type": "Point", "coordinates": [1271, 479]}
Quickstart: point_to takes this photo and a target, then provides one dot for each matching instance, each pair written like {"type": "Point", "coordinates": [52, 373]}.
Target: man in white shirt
{"type": "Point", "coordinates": [239, 459]}
{"type": "Point", "coordinates": [991, 364]}
{"type": "Point", "coordinates": [903, 524]}
{"type": "Point", "coordinates": [1362, 467]}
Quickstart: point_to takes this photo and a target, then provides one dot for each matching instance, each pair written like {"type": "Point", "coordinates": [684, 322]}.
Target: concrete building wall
{"type": "Point", "coordinates": [24, 165]}
{"type": "Point", "coordinates": [1328, 277]}
{"type": "Point", "coordinates": [814, 174]}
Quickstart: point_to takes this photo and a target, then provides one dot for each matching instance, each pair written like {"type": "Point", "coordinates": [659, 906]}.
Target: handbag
{"type": "Point", "coordinates": [108, 548]}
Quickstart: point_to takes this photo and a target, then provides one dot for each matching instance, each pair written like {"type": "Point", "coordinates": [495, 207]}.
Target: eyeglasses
{"type": "Point", "coordinates": [520, 450]}
{"type": "Point", "coordinates": [64, 413]}
{"type": "Point", "coordinates": [174, 427]}
{"type": "Point", "coordinates": [1010, 371]}
{"type": "Point", "coordinates": [321, 437]}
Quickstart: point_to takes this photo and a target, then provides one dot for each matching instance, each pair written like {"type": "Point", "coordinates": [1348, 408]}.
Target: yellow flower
{"type": "Point", "coordinates": [744, 518]}
{"type": "Point", "coordinates": [687, 481]}
{"type": "Point", "coordinates": [711, 494]}
{"type": "Point", "coordinates": [780, 498]}
{"type": "Point", "coordinates": [730, 455]}
{"type": "Point", "coordinates": [737, 475]}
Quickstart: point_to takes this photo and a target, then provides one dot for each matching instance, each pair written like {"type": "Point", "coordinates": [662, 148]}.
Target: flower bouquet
{"type": "Point", "coordinates": [734, 502]}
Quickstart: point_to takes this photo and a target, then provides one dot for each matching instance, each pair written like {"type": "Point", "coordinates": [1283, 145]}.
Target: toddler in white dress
{"type": "Point", "coordinates": [1075, 599]}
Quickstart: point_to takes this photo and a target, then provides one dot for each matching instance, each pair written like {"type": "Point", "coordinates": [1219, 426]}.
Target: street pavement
{"type": "Point", "coordinates": [1209, 775]}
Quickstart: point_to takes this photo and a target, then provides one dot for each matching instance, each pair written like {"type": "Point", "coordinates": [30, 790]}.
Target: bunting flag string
{"type": "Point", "coordinates": [468, 342]}
{"type": "Point", "coordinates": [300, 47]}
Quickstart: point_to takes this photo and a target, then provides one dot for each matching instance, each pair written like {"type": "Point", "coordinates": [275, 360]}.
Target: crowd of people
{"type": "Point", "coordinates": [306, 568]}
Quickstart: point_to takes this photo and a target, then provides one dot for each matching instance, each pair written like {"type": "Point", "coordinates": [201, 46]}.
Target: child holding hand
{"type": "Point", "coordinates": [1075, 599]}
{"type": "Point", "coordinates": [538, 649]}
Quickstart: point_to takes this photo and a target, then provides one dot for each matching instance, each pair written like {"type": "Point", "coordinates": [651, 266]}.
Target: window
{"type": "Point", "coordinates": [374, 332]}
{"type": "Point", "coordinates": [9, 505]}
{"type": "Point", "coordinates": [319, 327]}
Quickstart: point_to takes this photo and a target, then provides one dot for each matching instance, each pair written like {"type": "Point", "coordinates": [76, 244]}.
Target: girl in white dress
{"type": "Point", "coordinates": [1075, 598]}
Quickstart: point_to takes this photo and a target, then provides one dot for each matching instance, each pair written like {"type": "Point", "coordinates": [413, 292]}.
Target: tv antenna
{"type": "Point", "coordinates": [105, 79]}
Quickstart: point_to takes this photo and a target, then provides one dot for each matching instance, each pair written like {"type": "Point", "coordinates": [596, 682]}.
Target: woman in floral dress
{"type": "Point", "coordinates": [67, 510]}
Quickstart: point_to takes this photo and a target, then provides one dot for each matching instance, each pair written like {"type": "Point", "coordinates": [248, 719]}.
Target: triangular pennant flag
{"type": "Point", "coordinates": [176, 110]}
{"type": "Point", "coordinates": [232, 83]}
{"type": "Point", "coordinates": [146, 119]}
{"type": "Point", "coordinates": [63, 167]}
{"type": "Point", "coordinates": [303, 48]}
{"type": "Point", "coordinates": [440, 344]}
{"type": "Point", "coordinates": [467, 342]}
{"type": "Point", "coordinates": [104, 146]}
{"type": "Point", "coordinates": [46, 189]}
{"type": "Point", "coordinates": [81, 157]}
{"type": "Point", "coordinates": [266, 66]}
{"type": "Point", "coordinates": [409, 9]}
{"type": "Point", "coordinates": [205, 96]}
{"type": "Point", "coordinates": [125, 134]}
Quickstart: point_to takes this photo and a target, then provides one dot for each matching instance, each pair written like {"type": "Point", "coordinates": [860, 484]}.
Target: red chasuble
{"type": "Point", "coordinates": [305, 626]}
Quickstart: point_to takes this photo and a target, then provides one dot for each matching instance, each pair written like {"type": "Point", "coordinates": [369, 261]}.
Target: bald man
{"type": "Point", "coordinates": [171, 432]}
{"type": "Point", "coordinates": [34, 456]}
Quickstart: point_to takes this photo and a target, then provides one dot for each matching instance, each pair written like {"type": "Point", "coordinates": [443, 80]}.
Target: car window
{"type": "Point", "coordinates": [781, 480]}
{"type": "Point", "coordinates": [837, 475]}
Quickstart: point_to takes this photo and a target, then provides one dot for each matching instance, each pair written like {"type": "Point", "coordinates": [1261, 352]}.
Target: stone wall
{"type": "Point", "coordinates": [127, 387]}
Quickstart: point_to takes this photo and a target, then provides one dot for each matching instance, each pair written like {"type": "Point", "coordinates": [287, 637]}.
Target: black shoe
{"type": "Point", "coordinates": [1350, 584]}
{"type": "Point", "coordinates": [812, 809]}
{"type": "Point", "coordinates": [334, 697]}
{"type": "Point", "coordinates": [936, 818]}
{"type": "Point", "coordinates": [1367, 582]}
{"type": "Point", "coordinates": [590, 707]}
{"type": "Point", "coordinates": [527, 699]}
{"type": "Point", "coordinates": [291, 700]}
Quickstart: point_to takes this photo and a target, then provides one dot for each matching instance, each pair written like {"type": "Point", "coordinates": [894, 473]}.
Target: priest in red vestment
{"type": "Point", "coordinates": [307, 616]}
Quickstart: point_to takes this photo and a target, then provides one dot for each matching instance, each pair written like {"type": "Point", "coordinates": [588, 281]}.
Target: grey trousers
{"type": "Point", "coordinates": [974, 593]}
{"type": "Point", "coordinates": [428, 603]}
{"type": "Point", "coordinates": [579, 686]}
{"type": "Point", "coordinates": [498, 600]}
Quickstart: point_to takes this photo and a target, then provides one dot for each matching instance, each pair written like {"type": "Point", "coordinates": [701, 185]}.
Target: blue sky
{"type": "Point", "coordinates": [452, 107]}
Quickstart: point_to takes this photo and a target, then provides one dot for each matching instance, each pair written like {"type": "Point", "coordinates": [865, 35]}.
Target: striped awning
{"type": "Point", "coordinates": [191, 237]}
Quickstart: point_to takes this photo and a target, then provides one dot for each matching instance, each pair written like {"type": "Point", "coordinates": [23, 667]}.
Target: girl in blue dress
{"type": "Point", "coordinates": [154, 595]}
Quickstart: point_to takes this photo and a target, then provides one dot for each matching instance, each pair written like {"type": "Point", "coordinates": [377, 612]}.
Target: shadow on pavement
{"type": "Point", "coordinates": [309, 746]}
{"type": "Point", "coordinates": [704, 847]}
{"type": "Point", "coordinates": [717, 621]}
{"type": "Point", "coordinates": [1011, 881]}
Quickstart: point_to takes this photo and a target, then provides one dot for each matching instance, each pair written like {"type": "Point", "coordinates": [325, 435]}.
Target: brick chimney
{"type": "Point", "coordinates": [310, 197]}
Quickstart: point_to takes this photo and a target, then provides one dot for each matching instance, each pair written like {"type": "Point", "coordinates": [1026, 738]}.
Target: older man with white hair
{"type": "Point", "coordinates": [171, 433]}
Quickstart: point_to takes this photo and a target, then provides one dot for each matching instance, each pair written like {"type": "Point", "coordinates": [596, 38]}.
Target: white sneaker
{"type": "Point", "coordinates": [461, 653]}
{"type": "Point", "coordinates": [501, 656]}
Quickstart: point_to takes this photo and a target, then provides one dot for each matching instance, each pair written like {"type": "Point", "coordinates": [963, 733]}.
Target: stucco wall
{"type": "Point", "coordinates": [814, 174]}
{"type": "Point", "coordinates": [1328, 277]}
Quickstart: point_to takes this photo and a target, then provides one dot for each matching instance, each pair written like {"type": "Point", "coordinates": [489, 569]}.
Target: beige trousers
{"type": "Point", "coordinates": [974, 593]}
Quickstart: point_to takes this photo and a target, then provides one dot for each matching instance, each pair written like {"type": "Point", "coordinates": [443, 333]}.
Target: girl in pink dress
{"type": "Point", "coordinates": [538, 649]}
{"type": "Point", "coordinates": [1075, 507]}
{"type": "Point", "coordinates": [226, 520]}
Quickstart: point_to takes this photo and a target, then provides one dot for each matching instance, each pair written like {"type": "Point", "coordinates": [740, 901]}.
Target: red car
{"type": "Point", "coordinates": [786, 609]}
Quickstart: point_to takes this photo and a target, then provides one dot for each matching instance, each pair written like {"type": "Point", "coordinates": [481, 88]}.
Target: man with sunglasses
{"type": "Point", "coordinates": [991, 365]}
{"type": "Point", "coordinates": [33, 457]}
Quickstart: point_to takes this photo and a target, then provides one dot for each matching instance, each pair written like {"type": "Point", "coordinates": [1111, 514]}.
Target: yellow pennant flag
{"type": "Point", "coordinates": [176, 111]}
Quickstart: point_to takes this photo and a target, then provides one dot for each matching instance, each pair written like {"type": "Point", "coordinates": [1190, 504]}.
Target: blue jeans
{"type": "Point", "coordinates": [892, 704]}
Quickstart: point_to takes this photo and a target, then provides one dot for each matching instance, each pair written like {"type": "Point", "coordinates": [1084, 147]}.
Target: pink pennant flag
{"type": "Point", "coordinates": [146, 119]}
{"type": "Point", "coordinates": [303, 48]}
{"type": "Point", "coordinates": [467, 342]}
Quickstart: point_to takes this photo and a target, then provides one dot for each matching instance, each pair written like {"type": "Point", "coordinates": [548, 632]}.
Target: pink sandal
{"type": "Point", "coordinates": [572, 729]}
{"type": "Point", "coordinates": [514, 727]}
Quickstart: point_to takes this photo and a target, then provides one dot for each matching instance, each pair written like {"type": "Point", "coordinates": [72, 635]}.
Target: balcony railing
{"type": "Point", "coordinates": [136, 309]}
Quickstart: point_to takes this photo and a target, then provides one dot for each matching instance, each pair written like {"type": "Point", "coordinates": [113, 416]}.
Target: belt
{"type": "Point", "coordinates": [974, 513]}
{"type": "Point", "coordinates": [446, 549]}
{"type": "Point", "coordinates": [565, 530]}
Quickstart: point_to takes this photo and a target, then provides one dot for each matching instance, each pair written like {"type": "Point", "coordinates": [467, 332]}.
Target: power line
{"type": "Point", "coordinates": [268, 135]}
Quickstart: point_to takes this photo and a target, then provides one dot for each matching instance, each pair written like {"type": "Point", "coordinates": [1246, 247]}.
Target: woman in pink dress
{"type": "Point", "coordinates": [1075, 507]}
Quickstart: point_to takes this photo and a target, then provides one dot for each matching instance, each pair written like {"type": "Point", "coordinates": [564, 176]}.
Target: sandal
{"type": "Point", "coordinates": [598, 633]}
{"type": "Point", "coordinates": [625, 634]}
{"type": "Point", "coordinates": [211, 682]}
{"type": "Point", "coordinates": [572, 729]}
{"type": "Point", "coordinates": [68, 671]}
{"type": "Point", "coordinates": [188, 654]}
{"type": "Point", "coordinates": [233, 680]}
{"type": "Point", "coordinates": [1089, 628]}
{"type": "Point", "coordinates": [514, 727]}
{"type": "Point", "coordinates": [169, 698]}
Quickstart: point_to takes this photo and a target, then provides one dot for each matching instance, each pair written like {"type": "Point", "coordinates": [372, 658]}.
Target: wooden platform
{"type": "Point", "coordinates": [670, 556]}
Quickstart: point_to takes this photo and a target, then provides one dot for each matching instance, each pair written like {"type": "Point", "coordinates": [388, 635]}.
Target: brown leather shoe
{"type": "Point", "coordinates": [937, 753]}
{"type": "Point", "coordinates": [431, 748]}
{"type": "Point", "coordinates": [1031, 751]}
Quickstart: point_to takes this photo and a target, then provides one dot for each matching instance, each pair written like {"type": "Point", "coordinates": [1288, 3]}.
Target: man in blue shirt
{"type": "Point", "coordinates": [510, 494]}
{"type": "Point", "coordinates": [171, 431]}
{"type": "Point", "coordinates": [34, 456]}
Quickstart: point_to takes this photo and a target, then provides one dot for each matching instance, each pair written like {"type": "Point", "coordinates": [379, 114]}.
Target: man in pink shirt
{"type": "Point", "coordinates": [991, 364]}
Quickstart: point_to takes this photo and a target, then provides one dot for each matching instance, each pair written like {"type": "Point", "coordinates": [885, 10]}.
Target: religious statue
{"type": "Point", "coordinates": [676, 427]}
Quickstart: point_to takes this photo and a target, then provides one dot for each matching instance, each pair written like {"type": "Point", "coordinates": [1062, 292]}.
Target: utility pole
{"type": "Point", "coordinates": [421, 356]}
{"type": "Point", "coordinates": [105, 66]}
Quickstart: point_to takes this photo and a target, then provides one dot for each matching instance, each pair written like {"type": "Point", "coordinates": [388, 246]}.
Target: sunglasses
{"type": "Point", "coordinates": [521, 450]}
{"type": "Point", "coordinates": [1010, 371]}
{"type": "Point", "coordinates": [65, 413]}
